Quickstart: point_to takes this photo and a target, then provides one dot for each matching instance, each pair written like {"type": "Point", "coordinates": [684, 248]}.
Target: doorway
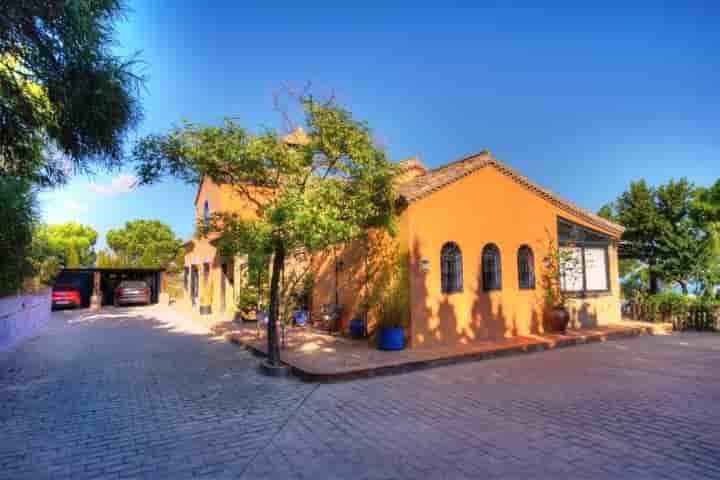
{"type": "Point", "coordinates": [223, 286]}
{"type": "Point", "coordinates": [194, 285]}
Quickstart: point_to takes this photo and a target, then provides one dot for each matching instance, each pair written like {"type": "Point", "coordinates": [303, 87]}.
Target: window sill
{"type": "Point", "coordinates": [592, 294]}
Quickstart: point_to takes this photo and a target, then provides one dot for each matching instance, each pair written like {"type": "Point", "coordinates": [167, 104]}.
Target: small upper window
{"type": "Point", "coordinates": [206, 216]}
{"type": "Point", "coordinates": [491, 269]}
{"type": "Point", "coordinates": [526, 268]}
{"type": "Point", "coordinates": [451, 268]}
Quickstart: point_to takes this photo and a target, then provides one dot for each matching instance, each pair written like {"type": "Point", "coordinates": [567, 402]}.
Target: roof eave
{"type": "Point", "coordinates": [485, 158]}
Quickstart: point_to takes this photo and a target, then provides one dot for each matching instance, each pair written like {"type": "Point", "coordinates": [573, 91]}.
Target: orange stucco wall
{"type": "Point", "coordinates": [358, 278]}
{"type": "Point", "coordinates": [484, 207]}
{"type": "Point", "coordinates": [488, 207]}
{"type": "Point", "coordinates": [220, 198]}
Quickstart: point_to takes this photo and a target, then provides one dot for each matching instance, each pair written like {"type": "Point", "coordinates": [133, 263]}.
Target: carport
{"type": "Point", "coordinates": [101, 282]}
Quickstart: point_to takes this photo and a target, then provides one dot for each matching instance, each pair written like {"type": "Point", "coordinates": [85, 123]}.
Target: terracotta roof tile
{"type": "Point", "coordinates": [434, 180]}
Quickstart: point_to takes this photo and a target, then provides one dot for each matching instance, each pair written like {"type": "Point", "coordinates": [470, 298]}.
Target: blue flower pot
{"type": "Point", "coordinates": [357, 328]}
{"type": "Point", "coordinates": [300, 317]}
{"type": "Point", "coordinates": [392, 338]}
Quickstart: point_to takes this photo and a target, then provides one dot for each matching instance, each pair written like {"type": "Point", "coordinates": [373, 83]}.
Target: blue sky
{"type": "Point", "coordinates": [581, 99]}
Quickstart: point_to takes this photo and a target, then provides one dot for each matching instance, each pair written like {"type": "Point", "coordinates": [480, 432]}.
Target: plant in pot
{"type": "Point", "coordinates": [206, 296]}
{"type": "Point", "coordinates": [358, 325]}
{"type": "Point", "coordinates": [246, 305]}
{"type": "Point", "coordinates": [557, 262]}
{"type": "Point", "coordinates": [394, 312]}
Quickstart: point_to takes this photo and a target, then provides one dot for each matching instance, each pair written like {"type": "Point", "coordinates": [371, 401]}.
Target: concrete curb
{"type": "Point", "coordinates": [414, 365]}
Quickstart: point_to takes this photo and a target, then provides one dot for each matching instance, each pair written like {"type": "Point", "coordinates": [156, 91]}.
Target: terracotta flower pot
{"type": "Point", "coordinates": [556, 319]}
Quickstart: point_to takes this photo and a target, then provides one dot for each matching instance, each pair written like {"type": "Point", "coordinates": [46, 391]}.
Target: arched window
{"type": "Point", "coordinates": [526, 268]}
{"type": "Point", "coordinates": [491, 270]}
{"type": "Point", "coordinates": [206, 216]}
{"type": "Point", "coordinates": [451, 268]}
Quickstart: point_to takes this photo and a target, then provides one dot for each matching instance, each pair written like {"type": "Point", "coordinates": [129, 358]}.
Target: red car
{"type": "Point", "coordinates": [65, 296]}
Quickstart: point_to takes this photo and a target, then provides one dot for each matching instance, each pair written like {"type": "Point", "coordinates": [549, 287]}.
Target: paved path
{"type": "Point", "coordinates": [139, 393]}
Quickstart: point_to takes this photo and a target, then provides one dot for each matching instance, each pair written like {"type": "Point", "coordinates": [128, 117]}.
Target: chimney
{"type": "Point", "coordinates": [410, 168]}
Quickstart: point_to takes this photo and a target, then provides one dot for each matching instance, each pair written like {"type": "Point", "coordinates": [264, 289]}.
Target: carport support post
{"type": "Point", "coordinates": [163, 295]}
{"type": "Point", "coordinates": [96, 297]}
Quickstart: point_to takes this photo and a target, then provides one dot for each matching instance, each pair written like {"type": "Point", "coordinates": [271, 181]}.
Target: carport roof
{"type": "Point", "coordinates": [113, 269]}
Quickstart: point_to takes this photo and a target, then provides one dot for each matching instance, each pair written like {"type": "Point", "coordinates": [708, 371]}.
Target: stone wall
{"type": "Point", "coordinates": [21, 316]}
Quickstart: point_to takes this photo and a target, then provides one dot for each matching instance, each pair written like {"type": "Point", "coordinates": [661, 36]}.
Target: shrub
{"type": "Point", "coordinates": [394, 305]}
{"type": "Point", "coordinates": [669, 303]}
{"type": "Point", "coordinates": [18, 217]}
{"type": "Point", "coordinates": [682, 310]}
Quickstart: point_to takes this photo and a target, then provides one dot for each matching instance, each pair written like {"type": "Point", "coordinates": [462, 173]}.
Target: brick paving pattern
{"type": "Point", "coordinates": [125, 394]}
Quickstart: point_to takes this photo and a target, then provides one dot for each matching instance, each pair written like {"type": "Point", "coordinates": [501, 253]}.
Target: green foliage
{"type": "Point", "coordinates": [254, 286]}
{"type": "Point", "coordinates": [63, 93]}
{"type": "Point", "coordinates": [72, 242]}
{"type": "Point", "coordinates": [106, 259]}
{"type": "Point", "coordinates": [312, 196]}
{"type": "Point", "coordinates": [669, 301]}
{"type": "Point", "coordinates": [556, 261]}
{"type": "Point", "coordinates": [72, 259]}
{"type": "Point", "coordinates": [708, 211]}
{"type": "Point", "coordinates": [394, 302]}
{"type": "Point", "coordinates": [306, 195]}
{"type": "Point", "coordinates": [634, 283]}
{"type": "Point", "coordinates": [683, 311]}
{"type": "Point", "coordinates": [607, 212]}
{"type": "Point", "coordinates": [18, 217]}
{"type": "Point", "coordinates": [672, 230]}
{"type": "Point", "coordinates": [144, 243]}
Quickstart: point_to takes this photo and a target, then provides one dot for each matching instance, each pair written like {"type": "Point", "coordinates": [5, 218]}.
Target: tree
{"type": "Point", "coordinates": [63, 94]}
{"type": "Point", "coordinates": [665, 230]}
{"type": "Point", "coordinates": [707, 208]}
{"type": "Point", "coordinates": [106, 259]}
{"type": "Point", "coordinates": [145, 243]}
{"type": "Point", "coordinates": [18, 217]}
{"type": "Point", "coordinates": [684, 244]}
{"type": "Point", "coordinates": [72, 242]}
{"type": "Point", "coordinates": [306, 195]}
{"type": "Point", "coordinates": [637, 211]}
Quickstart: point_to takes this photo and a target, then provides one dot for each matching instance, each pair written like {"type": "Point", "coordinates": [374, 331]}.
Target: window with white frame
{"type": "Point", "coordinates": [584, 259]}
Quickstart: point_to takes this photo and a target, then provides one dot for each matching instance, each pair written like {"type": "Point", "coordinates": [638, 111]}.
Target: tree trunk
{"type": "Point", "coordinates": [654, 287]}
{"type": "Point", "coordinates": [272, 335]}
{"type": "Point", "coordinates": [684, 287]}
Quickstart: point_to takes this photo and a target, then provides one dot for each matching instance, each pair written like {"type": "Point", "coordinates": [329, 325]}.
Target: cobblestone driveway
{"type": "Point", "coordinates": [137, 393]}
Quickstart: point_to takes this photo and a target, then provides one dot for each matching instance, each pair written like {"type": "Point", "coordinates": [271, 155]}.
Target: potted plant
{"type": "Point", "coordinates": [247, 303]}
{"type": "Point", "coordinates": [393, 312]}
{"type": "Point", "coordinates": [358, 327]}
{"type": "Point", "coordinates": [390, 336]}
{"type": "Point", "coordinates": [556, 262]}
{"type": "Point", "coordinates": [206, 297]}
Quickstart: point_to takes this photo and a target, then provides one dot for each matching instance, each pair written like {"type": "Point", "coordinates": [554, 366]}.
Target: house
{"type": "Point", "coordinates": [473, 235]}
{"type": "Point", "coordinates": [206, 270]}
